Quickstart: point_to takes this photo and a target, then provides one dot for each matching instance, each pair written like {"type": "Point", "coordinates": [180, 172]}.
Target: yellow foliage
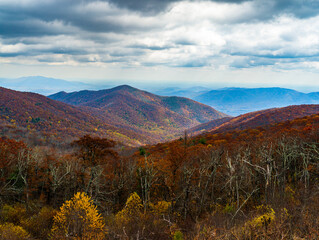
{"type": "Point", "coordinates": [13, 214]}
{"type": "Point", "coordinates": [291, 195]}
{"type": "Point", "coordinates": [40, 224]}
{"type": "Point", "coordinates": [10, 231]}
{"type": "Point", "coordinates": [79, 219]}
{"type": "Point", "coordinates": [162, 207]}
{"type": "Point", "coordinates": [264, 219]}
{"type": "Point", "coordinates": [133, 208]}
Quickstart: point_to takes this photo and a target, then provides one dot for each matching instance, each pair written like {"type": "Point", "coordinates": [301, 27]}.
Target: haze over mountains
{"type": "Point", "coordinates": [232, 101]}
{"type": "Point", "coordinates": [136, 117]}
{"type": "Point", "coordinates": [236, 101]}
{"type": "Point", "coordinates": [44, 85]}
{"type": "Point", "coordinates": [191, 92]}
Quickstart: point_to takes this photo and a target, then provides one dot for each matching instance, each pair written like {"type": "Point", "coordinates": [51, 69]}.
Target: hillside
{"type": "Point", "coordinates": [161, 118]}
{"type": "Point", "coordinates": [39, 113]}
{"type": "Point", "coordinates": [233, 175]}
{"type": "Point", "coordinates": [236, 101]}
{"type": "Point", "coordinates": [256, 119]}
{"type": "Point", "coordinates": [204, 127]}
{"type": "Point", "coordinates": [254, 183]}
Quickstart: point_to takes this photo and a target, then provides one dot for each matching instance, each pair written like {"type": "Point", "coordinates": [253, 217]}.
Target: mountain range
{"type": "Point", "coordinates": [136, 117]}
{"type": "Point", "coordinates": [160, 118]}
{"type": "Point", "coordinates": [232, 101]}
{"type": "Point", "coordinates": [191, 92]}
{"type": "Point", "coordinates": [236, 101]}
{"type": "Point", "coordinates": [125, 114]}
{"type": "Point", "coordinates": [44, 85]}
{"type": "Point", "coordinates": [35, 112]}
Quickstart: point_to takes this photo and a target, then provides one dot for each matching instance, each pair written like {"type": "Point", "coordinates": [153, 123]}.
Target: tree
{"type": "Point", "coordinates": [78, 218]}
{"type": "Point", "coordinates": [95, 151]}
{"type": "Point", "coordinates": [97, 155]}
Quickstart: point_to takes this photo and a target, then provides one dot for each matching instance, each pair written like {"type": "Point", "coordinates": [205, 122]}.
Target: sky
{"type": "Point", "coordinates": [219, 43]}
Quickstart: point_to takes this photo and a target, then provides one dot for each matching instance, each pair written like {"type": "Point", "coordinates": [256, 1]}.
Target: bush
{"type": "Point", "coordinates": [178, 235]}
{"type": "Point", "coordinates": [40, 224]}
{"type": "Point", "coordinates": [13, 214]}
{"type": "Point", "coordinates": [10, 231]}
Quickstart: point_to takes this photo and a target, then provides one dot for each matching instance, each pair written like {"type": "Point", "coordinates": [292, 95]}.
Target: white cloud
{"type": "Point", "coordinates": [195, 34]}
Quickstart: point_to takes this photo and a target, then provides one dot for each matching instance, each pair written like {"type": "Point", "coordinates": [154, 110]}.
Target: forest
{"type": "Point", "coordinates": [159, 119]}
{"type": "Point", "coordinates": [259, 183]}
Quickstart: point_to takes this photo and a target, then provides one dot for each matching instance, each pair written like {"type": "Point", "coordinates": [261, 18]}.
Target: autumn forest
{"type": "Point", "coordinates": [127, 164]}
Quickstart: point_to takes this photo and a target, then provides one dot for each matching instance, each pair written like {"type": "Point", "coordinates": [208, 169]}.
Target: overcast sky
{"type": "Point", "coordinates": [211, 43]}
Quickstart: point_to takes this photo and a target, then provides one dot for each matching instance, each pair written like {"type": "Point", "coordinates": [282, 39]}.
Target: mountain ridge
{"type": "Point", "coordinates": [103, 98]}
{"type": "Point", "coordinates": [123, 113]}
{"type": "Point", "coordinates": [39, 113]}
{"type": "Point", "coordinates": [256, 119]}
{"type": "Point", "coordinates": [237, 101]}
{"type": "Point", "coordinates": [129, 107]}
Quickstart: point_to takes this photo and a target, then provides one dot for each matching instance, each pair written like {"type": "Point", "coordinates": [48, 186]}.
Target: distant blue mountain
{"type": "Point", "coordinates": [236, 101]}
{"type": "Point", "coordinates": [181, 92]}
{"type": "Point", "coordinates": [43, 85]}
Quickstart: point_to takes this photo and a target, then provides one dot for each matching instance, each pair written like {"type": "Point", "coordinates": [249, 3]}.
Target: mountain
{"type": "Point", "coordinates": [236, 101]}
{"type": "Point", "coordinates": [160, 118]}
{"type": "Point", "coordinates": [43, 85]}
{"type": "Point", "coordinates": [182, 92]}
{"type": "Point", "coordinates": [53, 118]}
{"type": "Point", "coordinates": [256, 119]}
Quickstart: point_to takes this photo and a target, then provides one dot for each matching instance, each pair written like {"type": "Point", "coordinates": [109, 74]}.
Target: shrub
{"type": "Point", "coordinates": [40, 224]}
{"type": "Point", "coordinates": [178, 235]}
{"type": "Point", "coordinates": [13, 214]}
{"type": "Point", "coordinates": [10, 231]}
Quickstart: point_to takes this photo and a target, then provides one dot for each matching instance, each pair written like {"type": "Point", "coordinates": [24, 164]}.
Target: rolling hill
{"type": "Point", "coordinates": [256, 119]}
{"type": "Point", "coordinates": [236, 101]}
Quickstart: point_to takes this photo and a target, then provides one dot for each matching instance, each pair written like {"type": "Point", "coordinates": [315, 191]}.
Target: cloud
{"type": "Point", "coordinates": [156, 5]}
{"type": "Point", "coordinates": [298, 8]}
{"type": "Point", "coordinates": [173, 33]}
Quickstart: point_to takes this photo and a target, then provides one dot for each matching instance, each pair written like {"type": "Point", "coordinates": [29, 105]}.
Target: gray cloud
{"type": "Point", "coordinates": [157, 5]}
{"type": "Point", "coordinates": [38, 18]}
{"type": "Point", "coordinates": [144, 6]}
{"type": "Point", "coordinates": [298, 8]}
{"type": "Point", "coordinates": [231, 33]}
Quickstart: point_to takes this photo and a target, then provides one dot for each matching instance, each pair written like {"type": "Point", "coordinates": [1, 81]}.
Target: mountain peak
{"type": "Point", "coordinates": [125, 88]}
{"type": "Point", "coordinates": [158, 118]}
